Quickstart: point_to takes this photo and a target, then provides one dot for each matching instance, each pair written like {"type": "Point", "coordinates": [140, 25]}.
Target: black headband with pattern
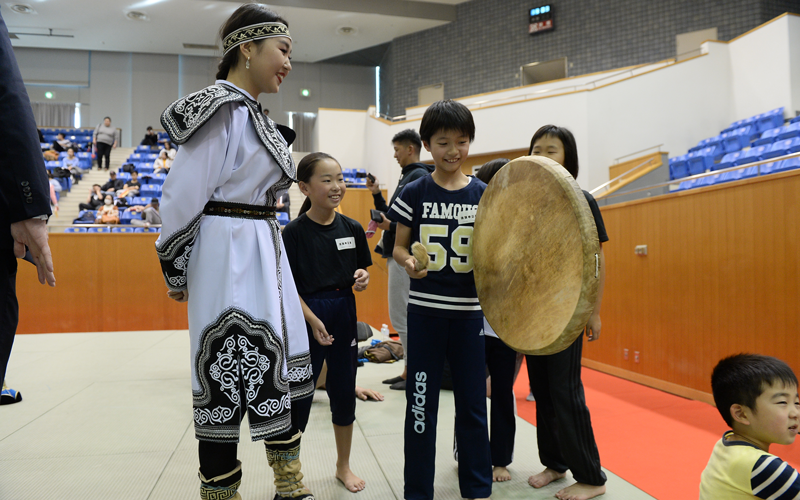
{"type": "Point", "coordinates": [254, 32]}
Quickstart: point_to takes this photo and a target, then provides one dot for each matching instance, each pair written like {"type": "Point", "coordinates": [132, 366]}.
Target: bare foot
{"type": "Point", "coordinates": [350, 480]}
{"type": "Point", "coordinates": [545, 477]}
{"type": "Point", "coordinates": [580, 491]}
{"type": "Point", "coordinates": [500, 474]}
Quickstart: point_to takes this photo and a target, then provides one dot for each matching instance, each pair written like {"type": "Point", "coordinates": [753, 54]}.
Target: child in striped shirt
{"type": "Point", "coordinates": [757, 397]}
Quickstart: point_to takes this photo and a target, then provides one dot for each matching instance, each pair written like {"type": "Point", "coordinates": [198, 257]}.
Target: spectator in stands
{"type": "Point", "coordinates": [72, 163]}
{"type": "Point", "coordinates": [131, 188]}
{"type": "Point", "coordinates": [150, 138]}
{"type": "Point", "coordinates": [94, 200]}
{"type": "Point", "coordinates": [108, 213]}
{"type": "Point", "coordinates": [105, 139]}
{"type": "Point", "coordinates": [150, 214]}
{"type": "Point", "coordinates": [57, 187]}
{"type": "Point", "coordinates": [113, 185]}
{"type": "Point", "coordinates": [171, 151]}
{"type": "Point", "coordinates": [61, 144]}
{"type": "Point", "coordinates": [163, 163]}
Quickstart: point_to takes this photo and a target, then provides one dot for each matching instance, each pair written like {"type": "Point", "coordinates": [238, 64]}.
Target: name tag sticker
{"type": "Point", "coordinates": [467, 216]}
{"type": "Point", "coordinates": [345, 243]}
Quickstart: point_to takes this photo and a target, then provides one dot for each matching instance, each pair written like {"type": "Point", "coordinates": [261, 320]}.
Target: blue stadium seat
{"type": "Point", "coordinates": [727, 161]}
{"type": "Point", "coordinates": [796, 119]}
{"type": "Point", "coordinates": [784, 147]}
{"type": "Point", "coordinates": [708, 180]}
{"type": "Point", "coordinates": [749, 172]}
{"type": "Point", "coordinates": [99, 230]}
{"type": "Point", "coordinates": [678, 167]}
{"type": "Point", "coordinates": [702, 160]}
{"type": "Point", "coordinates": [122, 229]}
{"type": "Point", "coordinates": [126, 217]}
{"type": "Point", "coordinates": [75, 230]}
{"type": "Point", "coordinates": [138, 230]}
{"type": "Point", "coordinates": [152, 230]}
{"type": "Point", "coordinates": [684, 185]}
{"type": "Point", "coordinates": [150, 191]}
{"type": "Point", "coordinates": [283, 218]}
{"type": "Point", "coordinates": [139, 200]}
{"type": "Point", "coordinates": [751, 155]}
{"type": "Point", "coordinates": [789, 131]}
{"type": "Point", "coordinates": [738, 139]}
{"type": "Point", "coordinates": [790, 164]}
{"type": "Point", "coordinates": [770, 119]}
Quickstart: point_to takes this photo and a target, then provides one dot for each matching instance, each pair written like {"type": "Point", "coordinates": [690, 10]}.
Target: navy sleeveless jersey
{"type": "Point", "coordinates": [443, 221]}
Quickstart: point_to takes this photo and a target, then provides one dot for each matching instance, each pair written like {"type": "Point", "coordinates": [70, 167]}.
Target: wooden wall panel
{"type": "Point", "coordinates": [113, 282]}
{"type": "Point", "coordinates": [104, 282]}
{"type": "Point", "coordinates": [372, 304]}
{"type": "Point", "coordinates": [721, 276]}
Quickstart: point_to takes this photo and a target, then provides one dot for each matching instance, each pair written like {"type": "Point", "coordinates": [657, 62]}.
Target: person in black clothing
{"type": "Point", "coordinates": [150, 138]}
{"type": "Point", "coordinates": [113, 185]}
{"type": "Point", "coordinates": [24, 201]}
{"type": "Point", "coordinates": [329, 254]}
{"type": "Point", "coordinates": [407, 146]}
{"type": "Point", "coordinates": [564, 427]}
{"type": "Point", "coordinates": [95, 198]}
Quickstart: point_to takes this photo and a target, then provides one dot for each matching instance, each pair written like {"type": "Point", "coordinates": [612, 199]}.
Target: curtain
{"type": "Point", "coordinates": [303, 125]}
{"type": "Point", "coordinates": [53, 114]}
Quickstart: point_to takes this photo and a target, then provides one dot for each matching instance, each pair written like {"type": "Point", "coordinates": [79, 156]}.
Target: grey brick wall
{"type": "Point", "coordinates": [483, 49]}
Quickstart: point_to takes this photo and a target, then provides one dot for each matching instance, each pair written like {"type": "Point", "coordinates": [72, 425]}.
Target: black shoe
{"type": "Point", "coordinates": [9, 396]}
{"type": "Point", "coordinates": [398, 386]}
{"type": "Point", "coordinates": [394, 380]}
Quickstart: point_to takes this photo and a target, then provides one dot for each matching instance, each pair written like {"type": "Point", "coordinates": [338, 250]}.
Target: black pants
{"type": "Point", "coordinates": [103, 151]}
{"type": "Point", "coordinates": [563, 426]}
{"type": "Point", "coordinates": [9, 308]}
{"type": "Point", "coordinates": [502, 362]}
{"type": "Point", "coordinates": [337, 311]}
{"type": "Point", "coordinates": [88, 206]}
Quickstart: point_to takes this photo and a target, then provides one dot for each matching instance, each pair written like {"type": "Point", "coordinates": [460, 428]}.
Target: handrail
{"type": "Point", "coordinates": [619, 177]}
{"type": "Point", "coordinates": [616, 160]}
{"type": "Point", "coordinates": [706, 174]}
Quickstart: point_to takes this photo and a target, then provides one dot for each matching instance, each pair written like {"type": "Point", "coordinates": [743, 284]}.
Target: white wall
{"type": "Point", "coordinates": [760, 69]}
{"type": "Point", "coordinates": [676, 105]}
{"type": "Point", "coordinates": [342, 134]}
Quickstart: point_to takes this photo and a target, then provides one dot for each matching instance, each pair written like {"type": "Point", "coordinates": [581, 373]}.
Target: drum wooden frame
{"type": "Point", "coordinates": [536, 256]}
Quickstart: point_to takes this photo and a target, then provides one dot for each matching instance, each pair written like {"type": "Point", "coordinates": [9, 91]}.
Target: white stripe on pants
{"type": "Point", "coordinates": [399, 284]}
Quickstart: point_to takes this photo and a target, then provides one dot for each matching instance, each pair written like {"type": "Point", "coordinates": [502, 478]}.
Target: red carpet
{"type": "Point", "coordinates": [654, 440]}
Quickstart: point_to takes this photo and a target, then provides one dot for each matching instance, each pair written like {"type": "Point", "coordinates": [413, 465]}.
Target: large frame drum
{"type": "Point", "coordinates": [536, 256]}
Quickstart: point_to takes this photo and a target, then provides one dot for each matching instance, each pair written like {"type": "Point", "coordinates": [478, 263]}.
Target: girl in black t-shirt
{"type": "Point", "coordinates": [564, 428]}
{"type": "Point", "coordinates": [328, 254]}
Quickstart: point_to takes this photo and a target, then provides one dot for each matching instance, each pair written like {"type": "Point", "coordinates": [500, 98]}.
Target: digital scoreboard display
{"type": "Point", "coordinates": [541, 19]}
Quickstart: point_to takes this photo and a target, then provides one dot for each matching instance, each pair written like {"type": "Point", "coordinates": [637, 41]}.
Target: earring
{"type": "Point", "coordinates": [247, 64]}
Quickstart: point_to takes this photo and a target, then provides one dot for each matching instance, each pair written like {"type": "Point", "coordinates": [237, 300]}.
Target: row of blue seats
{"type": "Point", "coordinates": [83, 163]}
{"type": "Point", "coordinates": [68, 131]}
{"type": "Point", "coordinates": [701, 161]}
{"type": "Point", "coordinates": [50, 138]}
{"type": "Point", "coordinates": [140, 157]}
{"type": "Point", "coordinates": [144, 177]}
{"type": "Point", "coordinates": [112, 229]}
{"type": "Point", "coordinates": [744, 173]}
{"type": "Point", "coordinates": [149, 149]}
{"type": "Point", "coordinates": [125, 216]}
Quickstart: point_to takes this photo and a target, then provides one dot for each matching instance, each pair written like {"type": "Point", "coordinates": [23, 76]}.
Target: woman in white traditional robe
{"type": "Point", "coordinates": [220, 249]}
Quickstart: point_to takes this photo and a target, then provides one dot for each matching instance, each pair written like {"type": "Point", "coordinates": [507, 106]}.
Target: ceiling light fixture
{"type": "Point", "coordinates": [136, 15]}
{"type": "Point", "coordinates": [21, 8]}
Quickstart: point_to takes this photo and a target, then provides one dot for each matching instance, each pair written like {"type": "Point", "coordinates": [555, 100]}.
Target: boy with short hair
{"type": "Point", "coordinates": [757, 397]}
{"type": "Point", "coordinates": [444, 317]}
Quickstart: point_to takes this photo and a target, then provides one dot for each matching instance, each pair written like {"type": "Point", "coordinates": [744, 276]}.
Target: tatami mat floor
{"type": "Point", "coordinates": [108, 416]}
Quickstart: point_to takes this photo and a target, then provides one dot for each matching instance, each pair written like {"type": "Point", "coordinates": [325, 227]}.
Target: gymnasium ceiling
{"type": "Point", "coordinates": [321, 29]}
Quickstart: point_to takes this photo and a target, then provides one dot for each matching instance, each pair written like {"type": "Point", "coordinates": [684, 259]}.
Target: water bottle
{"type": "Point", "coordinates": [385, 331]}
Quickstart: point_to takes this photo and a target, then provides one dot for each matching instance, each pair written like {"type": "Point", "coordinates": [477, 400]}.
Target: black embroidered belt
{"type": "Point", "coordinates": [239, 210]}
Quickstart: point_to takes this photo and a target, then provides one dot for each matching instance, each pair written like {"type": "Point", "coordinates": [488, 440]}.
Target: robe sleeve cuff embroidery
{"type": "Point", "coordinates": [174, 253]}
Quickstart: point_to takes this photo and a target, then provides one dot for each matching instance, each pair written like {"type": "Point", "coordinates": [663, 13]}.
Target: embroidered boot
{"type": "Point", "coordinates": [284, 458]}
{"type": "Point", "coordinates": [222, 487]}
{"type": "Point", "coordinates": [9, 396]}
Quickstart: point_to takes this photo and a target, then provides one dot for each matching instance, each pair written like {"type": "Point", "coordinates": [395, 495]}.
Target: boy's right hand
{"type": "Point", "coordinates": [411, 269]}
{"type": "Point", "coordinates": [320, 333]}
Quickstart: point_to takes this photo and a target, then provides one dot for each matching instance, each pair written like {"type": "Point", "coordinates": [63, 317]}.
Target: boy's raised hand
{"type": "Point", "coordinates": [411, 269]}
{"type": "Point", "coordinates": [362, 280]}
{"type": "Point", "coordinates": [318, 330]}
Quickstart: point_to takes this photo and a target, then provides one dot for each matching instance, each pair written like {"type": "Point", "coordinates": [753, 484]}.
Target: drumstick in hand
{"type": "Point", "coordinates": [420, 253]}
